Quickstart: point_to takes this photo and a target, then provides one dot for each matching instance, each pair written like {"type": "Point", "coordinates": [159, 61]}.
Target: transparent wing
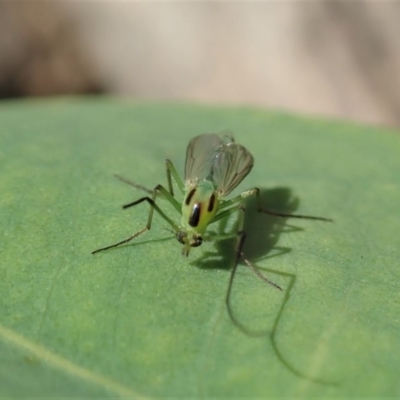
{"type": "Point", "coordinates": [199, 156]}
{"type": "Point", "coordinates": [218, 159]}
{"type": "Point", "coordinates": [230, 167]}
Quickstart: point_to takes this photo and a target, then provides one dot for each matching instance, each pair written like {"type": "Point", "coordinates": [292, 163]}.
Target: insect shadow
{"type": "Point", "coordinates": [262, 231]}
{"type": "Point", "coordinates": [262, 237]}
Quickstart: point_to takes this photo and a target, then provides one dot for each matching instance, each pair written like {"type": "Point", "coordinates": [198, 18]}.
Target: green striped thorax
{"type": "Point", "coordinates": [199, 206]}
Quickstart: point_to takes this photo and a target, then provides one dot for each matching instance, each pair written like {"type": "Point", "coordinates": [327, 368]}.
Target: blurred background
{"type": "Point", "coordinates": [335, 59]}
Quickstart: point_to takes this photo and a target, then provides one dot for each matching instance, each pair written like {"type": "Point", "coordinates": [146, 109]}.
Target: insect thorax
{"type": "Point", "coordinates": [199, 207]}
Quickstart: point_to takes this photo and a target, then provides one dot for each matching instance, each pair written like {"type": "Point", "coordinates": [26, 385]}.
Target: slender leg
{"type": "Point", "coordinates": [169, 180]}
{"type": "Point", "coordinates": [241, 237]}
{"type": "Point", "coordinates": [171, 170]}
{"type": "Point", "coordinates": [225, 213]}
{"type": "Point", "coordinates": [256, 191]}
{"type": "Point", "coordinates": [135, 185]}
{"type": "Point", "coordinates": [285, 215]}
{"type": "Point", "coordinates": [231, 206]}
{"type": "Point", "coordinates": [237, 199]}
{"type": "Point", "coordinates": [256, 271]}
{"type": "Point", "coordinates": [167, 195]}
{"type": "Point", "coordinates": [153, 206]}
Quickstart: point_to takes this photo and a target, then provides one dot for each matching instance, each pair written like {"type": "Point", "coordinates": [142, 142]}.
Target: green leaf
{"type": "Point", "coordinates": [143, 321]}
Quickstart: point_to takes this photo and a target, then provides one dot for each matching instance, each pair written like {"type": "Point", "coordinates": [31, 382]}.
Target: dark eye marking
{"type": "Point", "coordinates": [195, 215]}
{"type": "Point", "coordinates": [211, 203]}
{"type": "Point", "coordinates": [190, 196]}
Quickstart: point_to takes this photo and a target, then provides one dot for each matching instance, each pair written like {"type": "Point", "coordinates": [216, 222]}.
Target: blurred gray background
{"type": "Point", "coordinates": [335, 59]}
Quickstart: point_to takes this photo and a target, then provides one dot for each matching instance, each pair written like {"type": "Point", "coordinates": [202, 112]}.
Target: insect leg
{"type": "Point", "coordinates": [240, 234]}
{"type": "Point", "coordinates": [169, 166]}
{"type": "Point", "coordinates": [171, 170]}
{"type": "Point", "coordinates": [153, 206]}
{"type": "Point", "coordinates": [233, 203]}
{"type": "Point", "coordinates": [167, 195]}
{"type": "Point", "coordinates": [285, 215]}
{"type": "Point", "coordinates": [135, 185]}
{"type": "Point", "coordinates": [239, 198]}
{"type": "Point", "coordinates": [241, 237]}
{"type": "Point", "coordinates": [234, 206]}
{"type": "Point", "coordinates": [256, 191]}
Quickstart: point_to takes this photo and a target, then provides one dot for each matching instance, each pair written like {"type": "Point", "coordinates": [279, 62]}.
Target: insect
{"type": "Point", "coordinates": [215, 165]}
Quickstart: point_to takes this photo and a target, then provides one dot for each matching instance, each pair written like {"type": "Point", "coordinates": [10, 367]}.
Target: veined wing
{"type": "Point", "coordinates": [230, 167]}
{"type": "Point", "coordinates": [218, 159]}
{"type": "Point", "coordinates": [199, 156]}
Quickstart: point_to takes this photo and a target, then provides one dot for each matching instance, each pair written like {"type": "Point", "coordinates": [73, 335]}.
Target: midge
{"type": "Point", "coordinates": [214, 166]}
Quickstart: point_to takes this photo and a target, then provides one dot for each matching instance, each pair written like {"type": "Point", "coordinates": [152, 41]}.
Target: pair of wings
{"type": "Point", "coordinates": [218, 159]}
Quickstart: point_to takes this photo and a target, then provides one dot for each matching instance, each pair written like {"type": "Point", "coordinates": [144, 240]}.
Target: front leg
{"type": "Point", "coordinates": [153, 206]}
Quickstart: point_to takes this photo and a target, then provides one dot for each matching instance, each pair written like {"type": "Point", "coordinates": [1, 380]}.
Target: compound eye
{"type": "Point", "coordinates": [180, 236]}
{"type": "Point", "coordinates": [197, 241]}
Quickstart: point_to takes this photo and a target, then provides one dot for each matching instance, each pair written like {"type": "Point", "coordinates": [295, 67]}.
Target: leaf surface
{"type": "Point", "coordinates": [141, 320]}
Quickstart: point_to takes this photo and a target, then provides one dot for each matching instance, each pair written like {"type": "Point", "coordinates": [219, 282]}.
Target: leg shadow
{"type": "Point", "coordinates": [263, 232]}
